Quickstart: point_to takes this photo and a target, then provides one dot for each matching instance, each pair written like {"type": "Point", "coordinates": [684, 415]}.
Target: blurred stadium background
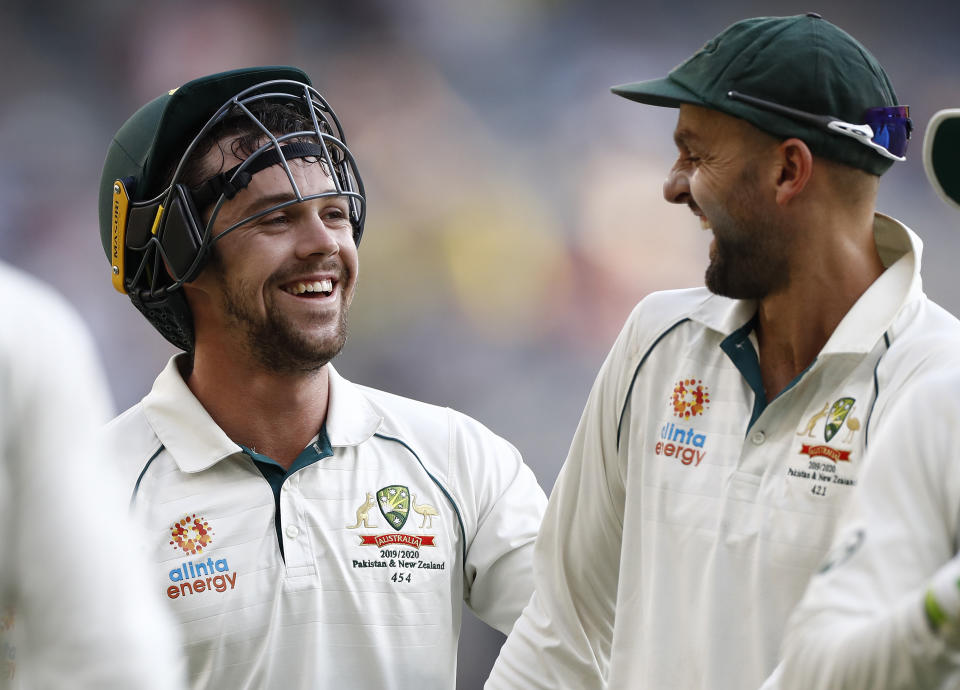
{"type": "Point", "coordinates": [515, 214]}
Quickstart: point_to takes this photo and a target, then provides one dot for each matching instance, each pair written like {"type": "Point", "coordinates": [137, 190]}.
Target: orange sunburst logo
{"type": "Point", "coordinates": [191, 534]}
{"type": "Point", "coordinates": [690, 398]}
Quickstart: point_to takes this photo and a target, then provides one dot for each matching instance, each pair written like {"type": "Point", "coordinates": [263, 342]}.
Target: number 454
{"type": "Point", "coordinates": [400, 577]}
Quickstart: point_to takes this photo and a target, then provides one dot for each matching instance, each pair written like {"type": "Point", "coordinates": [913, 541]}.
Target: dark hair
{"type": "Point", "coordinates": [243, 135]}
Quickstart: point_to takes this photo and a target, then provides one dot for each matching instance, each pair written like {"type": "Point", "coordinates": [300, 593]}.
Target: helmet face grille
{"type": "Point", "coordinates": [268, 124]}
{"type": "Point", "coordinates": [169, 237]}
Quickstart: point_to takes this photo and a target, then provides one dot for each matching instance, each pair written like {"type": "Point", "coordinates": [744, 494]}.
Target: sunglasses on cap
{"type": "Point", "coordinates": [886, 130]}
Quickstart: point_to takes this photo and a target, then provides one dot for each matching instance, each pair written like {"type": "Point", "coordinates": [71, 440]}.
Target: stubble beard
{"type": "Point", "coordinates": [274, 341]}
{"type": "Point", "coordinates": [750, 259]}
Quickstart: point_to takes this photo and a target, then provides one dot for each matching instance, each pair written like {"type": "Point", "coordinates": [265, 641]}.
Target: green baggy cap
{"type": "Point", "coordinates": [802, 62]}
{"type": "Point", "coordinates": [941, 154]}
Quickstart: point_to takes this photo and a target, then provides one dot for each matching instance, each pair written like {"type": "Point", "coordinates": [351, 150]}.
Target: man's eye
{"type": "Point", "coordinates": [276, 219]}
{"type": "Point", "coordinates": [334, 214]}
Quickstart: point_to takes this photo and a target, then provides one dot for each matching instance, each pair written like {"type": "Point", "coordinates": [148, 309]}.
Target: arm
{"type": "Point", "coordinates": [563, 638]}
{"type": "Point", "coordinates": [862, 621]}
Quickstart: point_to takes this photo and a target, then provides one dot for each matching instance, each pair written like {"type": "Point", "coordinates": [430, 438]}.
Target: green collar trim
{"type": "Point", "coordinates": [276, 475]}
{"type": "Point", "coordinates": [741, 352]}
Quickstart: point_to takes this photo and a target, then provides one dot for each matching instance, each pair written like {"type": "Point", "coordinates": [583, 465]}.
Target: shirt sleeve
{"type": "Point", "coordinates": [564, 636]}
{"type": "Point", "coordinates": [78, 611]}
{"type": "Point", "coordinates": [861, 622]}
{"type": "Point", "coordinates": [499, 558]}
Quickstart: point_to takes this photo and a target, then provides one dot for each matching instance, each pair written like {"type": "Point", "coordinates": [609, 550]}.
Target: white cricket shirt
{"type": "Point", "coordinates": [350, 571]}
{"type": "Point", "coordinates": [861, 623]}
{"type": "Point", "coordinates": [691, 511]}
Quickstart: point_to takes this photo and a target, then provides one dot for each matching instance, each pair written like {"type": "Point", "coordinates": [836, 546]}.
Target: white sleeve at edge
{"type": "Point", "coordinates": [563, 638]}
{"type": "Point", "coordinates": [84, 617]}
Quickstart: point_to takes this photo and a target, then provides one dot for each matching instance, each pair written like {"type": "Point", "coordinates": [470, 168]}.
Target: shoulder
{"type": "Point", "coordinates": [449, 444]}
{"type": "Point", "coordinates": [42, 316]}
{"type": "Point", "coordinates": [656, 316]}
{"type": "Point", "coordinates": [670, 304]}
{"type": "Point", "coordinates": [420, 422]}
{"type": "Point", "coordinates": [127, 443]}
{"type": "Point", "coordinates": [658, 312]}
{"type": "Point", "coordinates": [924, 336]}
{"type": "Point", "coordinates": [48, 360]}
{"type": "Point", "coordinates": [42, 327]}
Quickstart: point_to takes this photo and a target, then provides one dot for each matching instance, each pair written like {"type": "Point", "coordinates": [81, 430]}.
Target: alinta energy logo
{"type": "Point", "coordinates": [192, 535]}
{"type": "Point", "coordinates": [690, 398]}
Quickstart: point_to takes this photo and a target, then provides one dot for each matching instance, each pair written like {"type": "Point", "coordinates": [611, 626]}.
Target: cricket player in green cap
{"type": "Point", "coordinates": [884, 610]}
{"type": "Point", "coordinates": [728, 425]}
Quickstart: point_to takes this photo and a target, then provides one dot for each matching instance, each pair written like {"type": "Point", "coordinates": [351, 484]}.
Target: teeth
{"type": "Point", "coordinates": [704, 223]}
{"type": "Point", "coordinates": [325, 285]}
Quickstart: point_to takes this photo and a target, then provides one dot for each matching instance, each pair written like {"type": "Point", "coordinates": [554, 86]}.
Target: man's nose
{"type": "Point", "coordinates": [316, 237]}
{"type": "Point", "coordinates": [676, 188]}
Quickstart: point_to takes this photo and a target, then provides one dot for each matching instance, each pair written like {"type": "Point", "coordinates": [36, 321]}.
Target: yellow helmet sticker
{"type": "Point", "coordinates": [121, 207]}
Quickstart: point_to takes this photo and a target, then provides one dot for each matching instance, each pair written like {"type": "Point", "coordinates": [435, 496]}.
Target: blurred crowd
{"type": "Point", "coordinates": [514, 205]}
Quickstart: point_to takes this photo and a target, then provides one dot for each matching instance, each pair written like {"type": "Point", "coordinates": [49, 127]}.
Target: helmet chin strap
{"type": "Point", "coordinates": [231, 182]}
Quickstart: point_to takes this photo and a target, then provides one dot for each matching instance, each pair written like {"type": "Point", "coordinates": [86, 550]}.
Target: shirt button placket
{"type": "Point", "coordinates": [293, 538]}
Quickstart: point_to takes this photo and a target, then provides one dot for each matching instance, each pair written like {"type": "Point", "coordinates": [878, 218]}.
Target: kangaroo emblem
{"type": "Point", "coordinates": [425, 510]}
{"type": "Point", "coordinates": [363, 513]}
{"type": "Point", "coordinates": [813, 421]}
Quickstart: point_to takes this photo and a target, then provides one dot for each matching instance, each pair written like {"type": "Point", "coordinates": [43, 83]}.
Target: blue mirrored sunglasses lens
{"type": "Point", "coordinates": [891, 127]}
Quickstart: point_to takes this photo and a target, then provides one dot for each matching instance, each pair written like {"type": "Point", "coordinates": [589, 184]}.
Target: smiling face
{"type": "Point", "coordinates": [279, 287]}
{"type": "Point", "coordinates": [722, 174]}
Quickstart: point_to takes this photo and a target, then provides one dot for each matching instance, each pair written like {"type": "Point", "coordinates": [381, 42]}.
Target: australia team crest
{"type": "Point", "coordinates": [394, 502]}
{"type": "Point", "coordinates": [836, 416]}
{"type": "Point", "coordinates": [828, 465]}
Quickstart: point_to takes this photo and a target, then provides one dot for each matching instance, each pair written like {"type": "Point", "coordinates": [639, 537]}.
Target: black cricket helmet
{"type": "Point", "coordinates": [151, 221]}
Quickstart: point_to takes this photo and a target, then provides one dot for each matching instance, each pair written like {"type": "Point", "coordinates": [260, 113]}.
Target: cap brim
{"type": "Point", "coordinates": [663, 92]}
{"type": "Point", "coordinates": [941, 154]}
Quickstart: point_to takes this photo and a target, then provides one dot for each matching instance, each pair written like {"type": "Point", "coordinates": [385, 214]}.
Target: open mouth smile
{"type": "Point", "coordinates": [310, 289]}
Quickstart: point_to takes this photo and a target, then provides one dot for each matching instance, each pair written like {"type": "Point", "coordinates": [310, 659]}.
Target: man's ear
{"type": "Point", "coordinates": [796, 168]}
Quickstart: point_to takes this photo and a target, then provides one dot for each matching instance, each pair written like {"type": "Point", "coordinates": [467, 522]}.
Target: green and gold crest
{"type": "Point", "coordinates": [394, 502]}
{"type": "Point", "coordinates": [838, 413]}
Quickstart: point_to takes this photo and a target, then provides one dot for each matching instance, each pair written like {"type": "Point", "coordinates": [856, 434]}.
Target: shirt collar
{"type": "Point", "coordinates": [899, 248]}
{"type": "Point", "coordinates": [900, 283]}
{"type": "Point", "coordinates": [182, 424]}
{"type": "Point", "coordinates": [196, 443]}
{"type": "Point", "coordinates": [351, 418]}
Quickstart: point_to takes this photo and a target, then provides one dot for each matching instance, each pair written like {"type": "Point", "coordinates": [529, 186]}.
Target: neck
{"type": "Point", "coordinates": [275, 414]}
{"type": "Point", "coordinates": [832, 269]}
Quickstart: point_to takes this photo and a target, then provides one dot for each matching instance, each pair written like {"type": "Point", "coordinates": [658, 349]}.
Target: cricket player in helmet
{"type": "Point", "coordinates": [275, 492]}
{"type": "Point", "coordinates": [157, 223]}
